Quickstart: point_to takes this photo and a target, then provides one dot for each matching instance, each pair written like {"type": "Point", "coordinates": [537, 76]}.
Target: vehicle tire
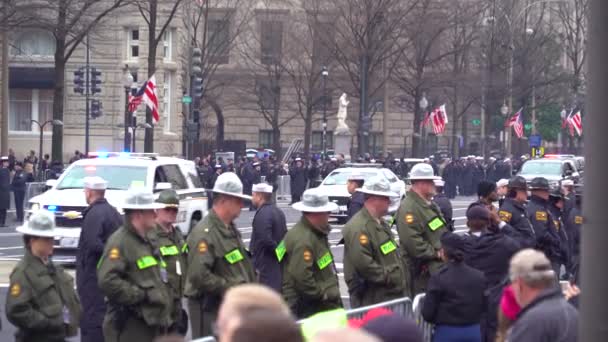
{"type": "Point", "coordinates": [341, 220]}
{"type": "Point", "coordinates": [194, 220]}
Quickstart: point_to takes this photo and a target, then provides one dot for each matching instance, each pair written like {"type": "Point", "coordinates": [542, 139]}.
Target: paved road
{"type": "Point", "coordinates": [11, 250]}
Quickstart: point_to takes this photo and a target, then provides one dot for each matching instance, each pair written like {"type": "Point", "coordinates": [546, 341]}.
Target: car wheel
{"type": "Point", "coordinates": [341, 220]}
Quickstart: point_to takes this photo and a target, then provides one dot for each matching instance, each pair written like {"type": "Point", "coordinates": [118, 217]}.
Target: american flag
{"type": "Point", "coordinates": [439, 119]}
{"type": "Point", "coordinates": [575, 122]}
{"type": "Point", "coordinates": [147, 93]}
{"type": "Point", "coordinates": [516, 121]}
{"type": "Point", "coordinates": [426, 120]}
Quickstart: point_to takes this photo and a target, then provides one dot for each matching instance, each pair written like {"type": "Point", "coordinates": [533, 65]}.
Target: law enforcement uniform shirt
{"type": "Point", "coordinates": [543, 223]}
{"type": "Point", "coordinates": [515, 214]}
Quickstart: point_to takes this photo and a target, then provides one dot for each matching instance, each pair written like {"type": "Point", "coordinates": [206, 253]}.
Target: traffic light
{"type": "Point", "coordinates": [95, 81]}
{"type": "Point", "coordinates": [197, 73]}
{"type": "Point", "coordinates": [96, 107]}
{"type": "Point", "coordinates": [79, 80]}
{"type": "Point", "coordinates": [196, 116]}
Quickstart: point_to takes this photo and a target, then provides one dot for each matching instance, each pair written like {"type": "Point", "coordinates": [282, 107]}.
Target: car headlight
{"type": "Point", "coordinates": [35, 206]}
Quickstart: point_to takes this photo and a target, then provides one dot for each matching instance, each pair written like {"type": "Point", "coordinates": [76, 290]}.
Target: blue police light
{"type": "Point", "coordinates": [52, 208]}
{"type": "Point", "coordinates": [102, 154]}
{"type": "Point", "coordinates": [124, 154]}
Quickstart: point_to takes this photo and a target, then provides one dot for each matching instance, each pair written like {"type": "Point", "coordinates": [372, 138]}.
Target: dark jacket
{"type": "Point", "coordinates": [455, 296]}
{"type": "Point", "coordinates": [543, 222]}
{"type": "Point", "coordinates": [269, 228]}
{"type": "Point", "coordinates": [548, 318]}
{"type": "Point", "coordinates": [573, 225]}
{"type": "Point", "coordinates": [100, 221]}
{"type": "Point", "coordinates": [20, 180]}
{"type": "Point", "coordinates": [490, 253]}
{"type": "Point", "coordinates": [355, 204]}
{"type": "Point", "coordinates": [515, 215]}
{"type": "Point", "coordinates": [5, 188]}
{"type": "Point", "coordinates": [298, 179]}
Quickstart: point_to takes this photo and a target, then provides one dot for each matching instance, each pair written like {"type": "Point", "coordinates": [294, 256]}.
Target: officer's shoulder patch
{"type": "Point", "coordinates": [114, 254]}
{"type": "Point", "coordinates": [505, 215]}
{"type": "Point", "coordinates": [363, 239]}
{"type": "Point", "coordinates": [578, 219]}
{"type": "Point", "coordinates": [202, 247]}
{"type": "Point", "coordinates": [409, 218]}
{"type": "Point", "coordinates": [541, 216]}
{"type": "Point", "coordinates": [307, 255]}
{"type": "Point", "coordinates": [15, 290]}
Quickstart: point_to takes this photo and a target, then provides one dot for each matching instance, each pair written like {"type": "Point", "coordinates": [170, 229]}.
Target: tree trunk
{"type": "Point", "coordinates": [276, 140]}
{"type": "Point", "coordinates": [149, 137]}
{"type": "Point", "coordinates": [417, 131]}
{"type": "Point", "coordinates": [219, 114]}
{"type": "Point", "coordinates": [307, 131]}
{"type": "Point", "coordinates": [58, 96]}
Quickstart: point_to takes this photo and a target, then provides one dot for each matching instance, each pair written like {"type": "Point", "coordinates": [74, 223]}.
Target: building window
{"type": "Point", "coordinates": [219, 40]}
{"type": "Point", "coordinates": [268, 93]}
{"type": "Point", "coordinates": [30, 104]}
{"type": "Point", "coordinates": [271, 41]}
{"type": "Point", "coordinates": [132, 43]}
{"type": "Point", "coordinates": [167, 100]}
{"type": "Point", "coordinates": [266, 138]}
{"type": "Point", "coordinates": [317, 140]}
{"type": "Point", "coordinates": [375, 143]}
{"type": "Point", "coordinates": [36, 43]}
{"type": "Point", "coordinates": [167, 44]}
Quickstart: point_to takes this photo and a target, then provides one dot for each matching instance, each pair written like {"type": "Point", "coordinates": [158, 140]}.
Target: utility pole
{"type": "Point", "coordinates": [5, 93]}
{"type": "Point", "coordinates": [87, 80]}
{"type": "Point", "coordinates": [594, 296]}
{"type": "Point", "coordinates": [324, 74]}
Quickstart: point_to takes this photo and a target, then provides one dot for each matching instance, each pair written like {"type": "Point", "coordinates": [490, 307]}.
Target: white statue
{"type": "Point", "coordinates": [342, 127]}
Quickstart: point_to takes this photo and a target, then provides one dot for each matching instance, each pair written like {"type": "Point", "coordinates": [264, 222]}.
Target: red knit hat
{"type": "Point", "coordinates": [508, 304]}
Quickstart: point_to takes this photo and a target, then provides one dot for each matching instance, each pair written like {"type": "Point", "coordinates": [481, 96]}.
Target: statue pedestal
{"type": "Point", "coordinates": [342, 144]}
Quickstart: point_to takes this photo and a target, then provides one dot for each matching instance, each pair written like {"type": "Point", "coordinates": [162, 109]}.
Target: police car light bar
{"type": "Point", "coordinates": [103, 154]}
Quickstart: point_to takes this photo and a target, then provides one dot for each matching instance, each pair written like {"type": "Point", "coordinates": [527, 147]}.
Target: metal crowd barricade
{"type": "Point", "coordinates": [425, 327]}
{"type": "Point", "coordinates": [401, 306]}
{"type": "Point", "coordinates": [284, 190]}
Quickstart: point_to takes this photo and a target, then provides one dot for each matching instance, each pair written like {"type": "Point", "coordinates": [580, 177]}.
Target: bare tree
{"type": "Point", "coordinates": [368, 37]}
{"type": "Point", "coordinates": [573, 17]}
{"type": "Point", "coordinates": [69, 22]}
{"type": "Point", "coordinates": [214, 27]}
{"type": "Point", "coordinates": [153, 11]}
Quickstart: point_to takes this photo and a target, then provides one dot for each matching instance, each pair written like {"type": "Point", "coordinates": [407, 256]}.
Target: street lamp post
{"type": "Point", "coordinates": [127, 83]}
{"type": "Point", "coordinates": [324, 74]}
{"type": "Point", "coordinates": [144, 125]}
{"type": "Point", "coordinates": [41, 129]}
{"type": "Point", "coordinates": [423, 104]}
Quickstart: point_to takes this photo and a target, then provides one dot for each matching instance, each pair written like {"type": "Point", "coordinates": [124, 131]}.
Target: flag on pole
{"type": "Point", "coordinates": [427, 119]}
{"type": "Point", "coordinates": [576, 123]}
{"type": "Point", "coordinates": [151, 98]}
{"type": "Point", "coordinates": [516, 121]}
{"type": "Point", "coordinates": [136, 99]}
{"type": "Point", "coordinates": [439, 118]}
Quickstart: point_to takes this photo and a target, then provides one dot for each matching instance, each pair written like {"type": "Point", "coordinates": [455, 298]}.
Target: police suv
{"type": "Point", "coordinates": [122, 171]}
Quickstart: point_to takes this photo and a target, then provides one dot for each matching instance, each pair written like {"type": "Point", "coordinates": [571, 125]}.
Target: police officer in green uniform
{"type": "Point", "coordinates": [41, 301]}
{"type": "Point", "coordinates": [133, 275]}
{"type": "Point", "coordinates": [373, 266]}
{"type": "Point", "coordinates": [174, 251]}
{"type": "Point", "coordinates": [310, 282]}
{"type": "Point", "coordinates": [217, 258]}
{"type": "Point", "coordinates": [420, 226]}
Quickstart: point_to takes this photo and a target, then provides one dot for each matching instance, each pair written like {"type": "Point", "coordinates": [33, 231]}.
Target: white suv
{"type": "Point", "coordinates": [122, 171]}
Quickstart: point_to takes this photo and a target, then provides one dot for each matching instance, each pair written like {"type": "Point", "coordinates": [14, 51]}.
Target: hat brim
{"type": "Point", "coordinates": [242, 196]}
{"type": "Point", "coordinates": [327, 208]}
{"type": "Point", "coordinates": [150, 206]}
{"type": "Point", "coordinates": [378, 193]}
{"type": "Point", "coordinates": [169, 205]}
{"type": "Point", "coordinates": [428, 178]}
{"type": "Point", "coordinates": [25, 230]}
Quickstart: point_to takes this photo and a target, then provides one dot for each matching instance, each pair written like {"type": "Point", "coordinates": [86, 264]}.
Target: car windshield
{"type": "Point", "coordinates": [540, 168]}
{"type": "Point", "coordinates": [341, 177]}
{"type": "Point", "coordinates": [118, 177]}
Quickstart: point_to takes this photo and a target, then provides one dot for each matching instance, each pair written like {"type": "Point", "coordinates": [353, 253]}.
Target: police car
{"type": "Point", "coordinates": [554, 168]}
{"type": "Point", "coordinates": [122, 171]}
{"type": "Point", "coordinates": [334, 185]}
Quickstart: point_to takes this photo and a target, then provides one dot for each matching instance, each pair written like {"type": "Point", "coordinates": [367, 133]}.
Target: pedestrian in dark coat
{"type": "Point", "coordinates": [454, 299]}
{"type": "Point", "coordinates": [5, 190]}
{"type": "Point", "coordinates": [357, 199]}
{"type": "Point", "coordinates": [269, 228]}
{"type": "Point", "coordinates": [298, 180]}
{"type": "Point", "coordinates": [489, 251]}
{"type": "Point", "coordinates": [451, 179]}
{"type": "Point", "coordinates": [444, 204]}
{"type": "Point", "coordinates": [18, 185]}
{"type": "Point", "coordinates": [573, 225]}
{"type": "Point", "coordinates": [99, 221]}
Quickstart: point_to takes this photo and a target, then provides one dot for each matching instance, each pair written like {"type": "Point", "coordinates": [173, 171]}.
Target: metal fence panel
{"type": "Point", "coordinates": [426, 327]}
{"type": "Point", "coordinates": [402, 306]}
{"type": "Point", "coordinates": [284, 191]}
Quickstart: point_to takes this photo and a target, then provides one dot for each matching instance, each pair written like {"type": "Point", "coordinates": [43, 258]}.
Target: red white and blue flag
{"type": "Point", "coordinates": [439, 118]}
{"type": "Point", "coordinates": [517, 122]}
{"type": "Point", "coordinates": [575, 123]}
{"type": "Point", "coordinates": [148, 94]}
